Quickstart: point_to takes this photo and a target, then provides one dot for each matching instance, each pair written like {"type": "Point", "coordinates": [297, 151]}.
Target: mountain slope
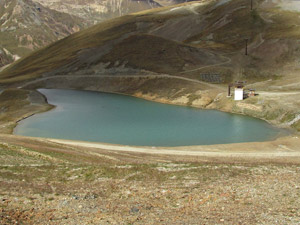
{"type": "Point", "coordinates": [27, 26]}
{"type": "Point", "coordinates": [96, 11]}
{"type": "Point", "coordinates": [31, 24]}
{"type": "Point", "coordinates": [191, 39]}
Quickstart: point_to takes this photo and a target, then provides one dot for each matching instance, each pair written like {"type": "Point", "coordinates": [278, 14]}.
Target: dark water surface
{"type": "Point", "coordinates": [118, 119]}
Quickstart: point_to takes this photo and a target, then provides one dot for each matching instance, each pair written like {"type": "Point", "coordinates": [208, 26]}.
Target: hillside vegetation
{"type": "Point", "coordinates": [188, 39]}
{"type": "Point", "coordinates": [29, 25]}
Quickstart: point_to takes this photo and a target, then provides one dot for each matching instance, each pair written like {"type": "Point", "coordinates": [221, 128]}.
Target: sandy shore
{"type": "Point", "coordinates": [288, 146]}
{"type": "Point", "coordinates": [281, 147]}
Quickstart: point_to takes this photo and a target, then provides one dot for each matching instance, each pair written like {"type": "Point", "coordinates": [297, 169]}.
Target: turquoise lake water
{"type": "Point", "coordinates": [119, 119]}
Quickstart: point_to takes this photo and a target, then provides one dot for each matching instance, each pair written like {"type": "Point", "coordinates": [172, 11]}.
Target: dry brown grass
{"type": "Point", "coordinates": [64, 51]}
{"type": "Point", "coordinates": [126, 39]}
{"type": "Point", "coordinates": [157, 54]}
{"type": "Point", "coordinates": [285, 24]}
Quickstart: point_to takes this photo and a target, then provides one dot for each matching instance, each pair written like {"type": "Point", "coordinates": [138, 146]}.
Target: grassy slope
{"type": "Point", "coordinates": [63, 51]}
{"type": "Point", "coordinates": [66, 50]}
{"type": "Point", "coordinates": [164, 56]}
{"type": "Point", "coordinates": [285, 24]}
{"type": "Point", "coordinates": [126, 40]}
{"type": "Point", "coordinates": [22, 35]}
{"type": "Point", "coordinates": [238, 22]}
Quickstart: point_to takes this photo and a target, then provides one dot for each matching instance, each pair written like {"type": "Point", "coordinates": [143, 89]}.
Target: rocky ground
{"type": "Point", "coordinates": [42, 182]}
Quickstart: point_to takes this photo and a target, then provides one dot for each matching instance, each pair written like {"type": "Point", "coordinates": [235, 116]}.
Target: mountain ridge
{"type": "Point", "coordinates": [215, 27]}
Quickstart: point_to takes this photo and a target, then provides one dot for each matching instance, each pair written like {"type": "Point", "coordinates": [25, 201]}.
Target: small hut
{"type": "Point", "coordinates": [238, 90]}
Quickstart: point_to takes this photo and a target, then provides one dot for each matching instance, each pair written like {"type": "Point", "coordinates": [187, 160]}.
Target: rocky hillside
{"type": "Point", "coordinates": [96, 11]}
{"type": "Point", "coordinates": [193, 39]}
{"type": "Point", "coordinates": [26, 26]}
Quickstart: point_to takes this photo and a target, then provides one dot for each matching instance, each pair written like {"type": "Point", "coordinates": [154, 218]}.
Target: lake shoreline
{"type": "Point", "coordinates": [282, 150]}
{"type": "Point", "coordinates": [272, 107]}
{"type": "Point", "coordinates": [62, 97]}
{"type": "Point", "coordinates": [146, 97]}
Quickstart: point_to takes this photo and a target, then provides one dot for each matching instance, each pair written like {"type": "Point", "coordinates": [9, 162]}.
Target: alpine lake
{"type": "Point", "coordinates": [119, 119]}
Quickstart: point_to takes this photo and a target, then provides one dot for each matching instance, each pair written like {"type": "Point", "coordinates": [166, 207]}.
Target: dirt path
{"type": "Point", "coordinates": [271, 149]}
{"type": "Point", "coordinates": [228, 60]}
{"type": "Point", "coordinates": [121, 76]}
{"type": "Point", "coordinates": [278, 94]}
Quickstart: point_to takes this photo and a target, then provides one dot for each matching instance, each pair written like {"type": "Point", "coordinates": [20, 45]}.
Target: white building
{"type": "Point", "coordinates": [238, 93]}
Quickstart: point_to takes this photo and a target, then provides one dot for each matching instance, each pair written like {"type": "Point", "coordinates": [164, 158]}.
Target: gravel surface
{"type": "Point", "coordinates": [43, 182]}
